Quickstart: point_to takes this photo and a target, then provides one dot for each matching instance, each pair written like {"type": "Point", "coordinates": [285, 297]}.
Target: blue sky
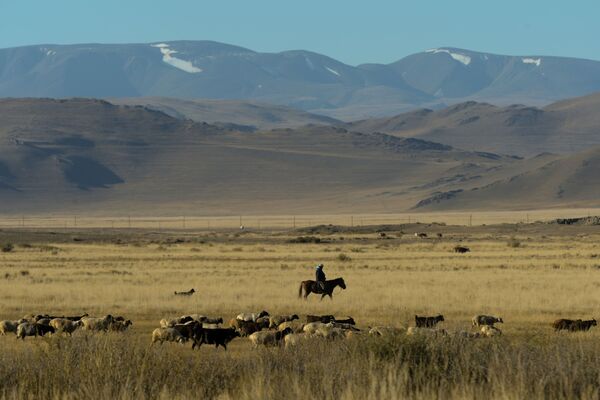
{"type": "Point", "coordinates": [351, 31]}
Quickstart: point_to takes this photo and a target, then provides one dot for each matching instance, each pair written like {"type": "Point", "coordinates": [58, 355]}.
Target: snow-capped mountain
{"type": "Point", "coordinates": [302, 79]}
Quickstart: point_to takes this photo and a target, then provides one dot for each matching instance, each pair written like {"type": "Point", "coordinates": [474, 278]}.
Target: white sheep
{"type": "Point", "coordinates": [167, 335]}
{"type": "Point", "coordinates": [268, 338]}
{"type": "Point", "coordinates": [10, 326]}
{"type": "Point", "coordinates": [482, 320]}
{"type": "Point", "coordinates": [65, 325]}
{"type": "Point", "coordinates": [97, 324]}
{"type": "Point", "coordinates": [385, 331]}
{"type": "Point", "coordinates": [490, 331]}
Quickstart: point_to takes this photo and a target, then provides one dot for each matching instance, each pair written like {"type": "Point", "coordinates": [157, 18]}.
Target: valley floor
{"type": "Point", "coordinates": [529, 274]}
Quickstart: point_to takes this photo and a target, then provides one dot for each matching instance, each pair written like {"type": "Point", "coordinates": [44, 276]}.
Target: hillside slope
{"type": "Point", "coordinates": [568, 126]}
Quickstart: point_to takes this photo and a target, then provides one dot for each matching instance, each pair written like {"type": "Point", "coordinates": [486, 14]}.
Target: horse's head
{"type": "Point", "coordinates": [342, 283]}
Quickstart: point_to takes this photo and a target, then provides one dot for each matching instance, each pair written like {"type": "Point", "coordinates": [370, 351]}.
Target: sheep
{"type": "Point", "coordinates": [421, 235]}
{"type": "Point", "coordinates": [276, 320]}
{"type": "Point", "coordinates": [33, 329]}
{"type": "Point", "coordinates": [167, 334]}
{"type": "Point", "coordinates": [262, 323]}
{"type": "Point", "coordinates": [580, 325]}
{"type": "Point", "coordinates": [65, 325]}
{"type": "Point", "coordinates": [218, 337]}
{"type": "Point", "coordinates": [120, 326]}
{"type": "Point", "coordinates": [295, 326]}
{"type": "Point", "coordinates": [188, 293]}
{"type": "Point", "coordinates": [319, 318]}
{"type": "Point", "coordinates": [268, 338]}
{"type": "Point", "coordinates": [329, 331]}
{"type": "Point", "coordinates": [563, 324]}
{"type": "Point", "coordinates": [189, 330]}
{"type": "Point", "coordinates": [428, 322]}
{"type": "Point", "coordinates": [311, 327]}
{"type": "Point", "coordinates": [432, 332]}
{"type": "Point", "coordinates": [490, 331]}
{"type": "Point", "coordinates": [244, 328]}
{"type": "Point", "coordinates": [252, 316]}
{"type": "Point", "coordinates": [200, 318]}
{"type": "Point", "coordinates": [385, 331]}
{"type": "Point", "coordinates": [294, 339]}
{"type": "Point", "coordinates": [461, 249]}
{"type": "Point", "coordinates": [344, 326]}
{"type": "Point", "coordinates": [481, 320]}
{"type": "Point", "coordinates": [10, 326]}
{"type": "Point", "coordinates": [97, 324]}
{"type": "Point", "coordinates": [348, 321]}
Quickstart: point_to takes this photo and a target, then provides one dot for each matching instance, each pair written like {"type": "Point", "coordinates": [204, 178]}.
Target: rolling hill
{"type": "Point", "coordinates": [564, 127]}
{"type": "Point", "coordinates": [300, 79]}
{"type": "Point", "coordinates": [90, 156]}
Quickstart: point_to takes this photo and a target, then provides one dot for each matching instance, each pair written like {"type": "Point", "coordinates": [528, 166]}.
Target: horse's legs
{"type": "Point", "coordinates": [323, 295]}
{"type": "Point", "coordinates": [330, 296]}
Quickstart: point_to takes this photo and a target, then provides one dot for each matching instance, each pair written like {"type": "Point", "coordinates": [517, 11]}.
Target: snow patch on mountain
{"type": "Point", "coordinates": [457, 56]}
{"type": "Point", "coordinates": [178, 63]}
{"type": "Point", "coordinates": [333, 71]}
{"type": "Point", "coordinates": [536, 61]}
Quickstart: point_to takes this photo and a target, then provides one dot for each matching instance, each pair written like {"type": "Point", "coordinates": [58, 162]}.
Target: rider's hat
{"type": "Point", "coordinates": [319, 266]}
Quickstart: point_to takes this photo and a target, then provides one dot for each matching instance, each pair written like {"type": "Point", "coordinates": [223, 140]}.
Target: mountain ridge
{"type": "Point", "coordinates": [296, 78]}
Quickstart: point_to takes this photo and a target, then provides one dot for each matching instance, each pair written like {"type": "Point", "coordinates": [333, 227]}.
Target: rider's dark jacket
{"type": "Point", "coordinates": [320, 275]}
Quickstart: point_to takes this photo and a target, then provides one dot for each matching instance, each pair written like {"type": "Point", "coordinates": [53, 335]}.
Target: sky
{"type": "Point", "coordinates": [351, 31]}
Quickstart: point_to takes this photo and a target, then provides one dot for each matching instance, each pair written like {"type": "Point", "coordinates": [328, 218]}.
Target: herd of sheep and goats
{"type": "Point", "coordinates": [260, 328]}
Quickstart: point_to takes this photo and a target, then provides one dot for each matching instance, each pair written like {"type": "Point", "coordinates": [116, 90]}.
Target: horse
{"type": "Point", "coordinates": [312, 287]}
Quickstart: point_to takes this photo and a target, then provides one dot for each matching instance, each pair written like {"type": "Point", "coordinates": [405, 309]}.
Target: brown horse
{"type": "Point", "coordinates": [312, 287]}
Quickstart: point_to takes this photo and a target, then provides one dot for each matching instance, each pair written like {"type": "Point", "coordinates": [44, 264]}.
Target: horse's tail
{"type": "Point", "coordinates": [300, 290]}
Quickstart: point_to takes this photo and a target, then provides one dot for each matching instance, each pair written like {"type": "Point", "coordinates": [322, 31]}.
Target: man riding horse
{"type": "Point", "coordinates": [320, 278]}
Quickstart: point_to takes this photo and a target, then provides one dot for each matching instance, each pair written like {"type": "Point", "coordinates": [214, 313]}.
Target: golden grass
{"type": "Point", "coordinates": [554, 272]}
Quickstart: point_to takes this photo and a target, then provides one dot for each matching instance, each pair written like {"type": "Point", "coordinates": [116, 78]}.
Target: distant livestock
{"type": "Point", "coordinates": [583, 325]}
{"type": "Point", "coordinates": [431, 332]}
{"type": "Point", "coordinates": [188, 293]}
{"type": "Point", "coordinates": [421, 235]}
{"type": "Point", "coordinates": [97, 324]}
{"type": "Point", "coordinates": [276, 320]}
{"type": "Point", "coordinates": [218, 337]}
{"type": "Point", "coordinates": [167, 335]}
{"type": "Point", "coordinates": [252, 316]}
{"type": "Point", "coordinates": [65, 325]}
{"type": "Point", "coordinates": [481, 320]}
{"type": "Point", "coordinates": [461, 249]}
{"type": "Point", "coordinates": [428, 322]}
{"type": "Point", "coordinates": [10, 326]}
{"type": "Point", "coordinates": [269, 338]}
{"type": "Point", "coordinates": [320, 318]}
{"type": "Point", "coordinates": [33, 329]}
{"type": "Point", "coordinates": [490, 331]}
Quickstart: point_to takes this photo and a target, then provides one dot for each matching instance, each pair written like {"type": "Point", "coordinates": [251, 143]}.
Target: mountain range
{"type": "Point", "coordinates": [309, 81]}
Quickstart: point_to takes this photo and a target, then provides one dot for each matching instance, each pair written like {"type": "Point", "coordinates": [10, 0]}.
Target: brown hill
{"type": "Point", "coordinates": [90, 156]}
{"type": "Point", "coordinates": [244, 115]}
{"type": "Point", "coordinates": [569, 181]}
{"type": "Point", "coordinates": [564, 127]}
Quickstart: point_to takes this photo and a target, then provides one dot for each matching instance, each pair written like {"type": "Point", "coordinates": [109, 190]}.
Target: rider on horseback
{"type": "Point", "coordinates": [320, 278]}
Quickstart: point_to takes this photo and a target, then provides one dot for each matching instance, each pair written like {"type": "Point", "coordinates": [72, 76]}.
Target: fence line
{"type": "Point", "coordinates": [264, 222]}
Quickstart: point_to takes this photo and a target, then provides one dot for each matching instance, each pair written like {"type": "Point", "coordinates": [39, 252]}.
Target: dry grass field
{"type": "Point", "coordinates": [529, 274]}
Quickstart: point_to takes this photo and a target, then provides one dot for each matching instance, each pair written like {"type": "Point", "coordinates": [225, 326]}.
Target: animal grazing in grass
{"type": "Point", "coordinates": [582, 326]}
{"type": "Point", "coordinates": [428, 322]}
{"type": "Point", "coordinates": [309, 287]}
{"type": "Point", "coordinates": [461, 249]}
{"type": "Point", "coordinates": [188, 293]}
{"type": "Point", "coordinates": [573, 325]}
{"type": "Point", "coordinates": [167, 335]}
{"type": "Point", "coordinates": [276, 320]}
{"type": "Point", "coordinates": [268, 338]}
{"type": "Point", "coordinates": [481, 320]}
{"type": "Point", "coordinates": [218, 337]}
{"type": "Point", "coordinates": [421, 235]}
